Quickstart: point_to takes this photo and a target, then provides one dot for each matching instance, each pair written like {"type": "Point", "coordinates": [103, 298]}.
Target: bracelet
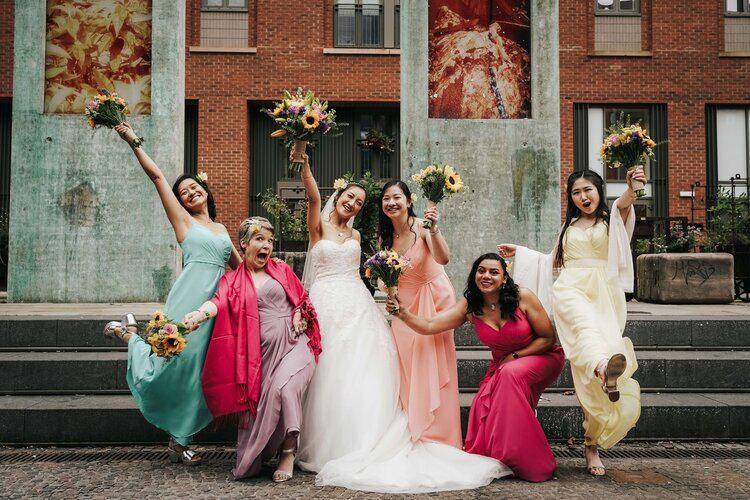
{"type": "Point", "coordinates": [436, 231]}
{"type": "Point", "coordinates": [136, 143]}
{"type": "Point", "coordinates": [207, 314]}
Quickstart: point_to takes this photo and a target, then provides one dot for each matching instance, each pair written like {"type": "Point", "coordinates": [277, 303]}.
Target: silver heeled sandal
{"type": "Point", "coordinates": [280, 476]}
{"type": "Point", "coordinates": [118, 329]}
{"type": "Point", "coordinates": [186, 456]}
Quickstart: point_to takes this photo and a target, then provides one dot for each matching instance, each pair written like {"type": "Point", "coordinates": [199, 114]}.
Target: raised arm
{"type": "Point", "coordinates": [544, 334]}
{"type": "Point", "coordinates": [313, 201]}
{"type": "Point", "coordinates": [436, 244]}
{"type": "Point", "coordinates": [447, 320]}
{"type": "Point", "coordinates": [177, 215]}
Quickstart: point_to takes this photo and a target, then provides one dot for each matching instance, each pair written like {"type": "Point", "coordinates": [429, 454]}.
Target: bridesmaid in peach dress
{"type": "Point", "coordinates": [429, 376]}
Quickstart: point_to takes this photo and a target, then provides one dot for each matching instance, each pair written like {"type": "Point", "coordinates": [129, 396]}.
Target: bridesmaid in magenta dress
{"type": "Point", "coordinates": [525, 360]}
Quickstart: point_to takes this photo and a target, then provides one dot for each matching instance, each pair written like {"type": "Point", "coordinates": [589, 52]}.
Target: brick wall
{"type": "Point", "coordinates": [290, 42]}
{"type": "Point", "coordinates": [684, 71]}
{"type": "Point", "coordinates": [6, 48]}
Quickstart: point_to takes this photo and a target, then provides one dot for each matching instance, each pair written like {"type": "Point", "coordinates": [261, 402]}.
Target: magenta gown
{"type": "Point", "coordinates": [502, 422]}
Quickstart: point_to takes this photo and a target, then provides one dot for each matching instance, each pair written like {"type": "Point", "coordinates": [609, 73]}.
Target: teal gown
{"type": "Point", "coordinates": [169, 393]}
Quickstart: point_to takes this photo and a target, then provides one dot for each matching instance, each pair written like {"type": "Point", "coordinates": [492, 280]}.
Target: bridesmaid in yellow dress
{"type": "Point", "coordinates": [595, 268]}
{"type": "Point", "coordinates": [429, 376]}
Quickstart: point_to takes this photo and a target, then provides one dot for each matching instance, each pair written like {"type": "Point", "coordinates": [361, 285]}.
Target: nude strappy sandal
{"type": "Point", "coordinates": [280, 476]}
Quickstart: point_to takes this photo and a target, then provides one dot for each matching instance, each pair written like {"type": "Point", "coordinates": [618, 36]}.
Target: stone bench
{"type": "Point", "coordinates": [685, 278]}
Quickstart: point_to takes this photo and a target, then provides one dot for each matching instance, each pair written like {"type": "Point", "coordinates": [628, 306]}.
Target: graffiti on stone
{"type": "Point", "coordinates": [698, 269]}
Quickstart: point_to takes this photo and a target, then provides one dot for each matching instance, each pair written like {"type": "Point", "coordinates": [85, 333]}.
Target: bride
{"type": "Point", "coordinates": [354, 433]}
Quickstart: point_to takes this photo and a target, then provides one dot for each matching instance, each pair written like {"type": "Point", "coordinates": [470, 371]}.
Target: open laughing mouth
{"type": "Point", "coordinates": [347, 209]}
{"type": "Point", "coordinates": [262, 256]}
{"type": "Point", "coordinates": [586, 204]}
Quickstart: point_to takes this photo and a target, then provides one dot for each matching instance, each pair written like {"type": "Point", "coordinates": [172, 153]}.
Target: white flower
{"type": "Point", "coordinates": [202, 176]}
{"type": "Point", "coordinates": [339, 183]}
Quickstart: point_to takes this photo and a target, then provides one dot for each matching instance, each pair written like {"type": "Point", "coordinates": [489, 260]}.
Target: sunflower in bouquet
{"type": "Point", "coordinates": [300, 117]}
{"type": "Point", "coordinates": [387, 266]}
{"type": "Point", "coordinates": [166, 337]}
{"type": "Point", "coordinates": [436, 183]}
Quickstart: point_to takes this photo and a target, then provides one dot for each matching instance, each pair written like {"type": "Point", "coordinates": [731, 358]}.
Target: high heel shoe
{"type": "Point", "coordinates": [280, 476]}
{"type": "Point", "coordinates": [185, 456]}
{"type": "Point", "coordinates": [614, 369]}
{"type": "Point", "coordinates": [122, 329]}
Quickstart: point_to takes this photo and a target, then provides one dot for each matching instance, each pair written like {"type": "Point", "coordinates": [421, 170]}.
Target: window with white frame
{"type": "Point", "coordinates": [224, 23]}
{"type": "Point", "coordinates": [617, 26]}
{"type": "Point", "coordinates": [732, 145]}
{"type": "Point", "coordinates": [737, 26]}
{"type": "Point", "coordinates": [366, 23]}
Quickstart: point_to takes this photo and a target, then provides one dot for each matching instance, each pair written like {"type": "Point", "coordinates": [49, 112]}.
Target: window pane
{"type": "Point", "coordinates": [605, 4]}
{"type": "Point", "coordinates": [345, 25]}
{"type": "Point", "coordinates": [397, 26]}
{"type": "Point", "coordinates": [213, 3]}
{"type": "Point", "coordinates": [371, 22]}
{"type": "Point", "coordinates": [731, 143]}
{"type": "Point", "coordinates": [237, 3]}
{"type": "Point", "coordinates": [627, 5]}
{"type": "Point", "coordinates": [734, 5]}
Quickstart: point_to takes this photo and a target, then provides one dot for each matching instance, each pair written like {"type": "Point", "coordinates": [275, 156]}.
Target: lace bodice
{"type": "Point", "coordinates": [336, 260]}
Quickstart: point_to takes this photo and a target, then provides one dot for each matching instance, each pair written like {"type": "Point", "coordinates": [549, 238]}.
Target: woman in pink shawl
{"type": "Point", "coordinates": [262, 354]}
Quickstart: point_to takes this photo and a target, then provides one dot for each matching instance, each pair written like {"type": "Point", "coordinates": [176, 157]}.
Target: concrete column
{"type": "Point", "coordinates": [512, 167]}
{"type": "Point", "coordinates": [86, 225]}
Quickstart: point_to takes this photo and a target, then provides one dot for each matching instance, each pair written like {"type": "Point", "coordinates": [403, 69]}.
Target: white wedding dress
{"type": "Point", "coordinates": [354, 433]}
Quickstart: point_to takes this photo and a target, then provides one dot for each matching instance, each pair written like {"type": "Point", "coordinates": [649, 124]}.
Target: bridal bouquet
{"type": "Point", "coordinates": [627, 145]}
{"type": "Point", "coordinates": [301, 116]}
{"type": "Point", "coordinates": [106, 109]}
{"type": "Point", "coordinates": [166, 337]}
{"type": "Point", "coordinates": [437, 183]}
{"type": "Point", "coordinates": [387, 266]}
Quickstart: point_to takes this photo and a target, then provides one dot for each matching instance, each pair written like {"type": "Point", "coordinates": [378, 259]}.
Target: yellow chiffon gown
{"type": "Point", "coordinates": [590, 314]}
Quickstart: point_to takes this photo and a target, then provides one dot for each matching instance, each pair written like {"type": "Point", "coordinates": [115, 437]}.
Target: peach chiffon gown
{"type": "Point", "coordinates": [429, 375]}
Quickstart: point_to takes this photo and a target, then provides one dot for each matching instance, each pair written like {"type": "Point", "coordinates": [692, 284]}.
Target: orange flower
{"type": "Point", "coordinates": [278, 133]}
{"type": "Point", "coordinates": [311, 120]}
{"type": "Point", "coordinates": [173, 343]}
{"type": "Point", "coordinates": [368, 273]}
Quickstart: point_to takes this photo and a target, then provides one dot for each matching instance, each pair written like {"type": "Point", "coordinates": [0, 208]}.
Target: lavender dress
{"type": "Point", "coordinates": [287, 365]}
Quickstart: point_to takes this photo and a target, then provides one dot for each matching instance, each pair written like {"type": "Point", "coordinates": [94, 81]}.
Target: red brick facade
{"type": "Point", "coordinates": [680, 67]}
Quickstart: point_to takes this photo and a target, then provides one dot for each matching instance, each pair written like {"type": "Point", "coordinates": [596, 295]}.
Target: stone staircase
{"type": "Point", "coordinates": [62, 382]}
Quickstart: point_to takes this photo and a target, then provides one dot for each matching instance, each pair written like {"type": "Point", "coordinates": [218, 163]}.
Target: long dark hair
{"type": "Point", "coordinates": [385, 226]}
{"type": "Point", "coordinates": [211, 204]}
{"type": "Point", "coordinates": [509, 298]}
{"type": "Point", "coordinates": [601, 212]}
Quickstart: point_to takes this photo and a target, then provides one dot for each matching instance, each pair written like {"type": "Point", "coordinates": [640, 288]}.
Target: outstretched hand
{"type": "Point", "coordinates": [433, 215]}
{"type": "Point", "coordinates": [506, 250]}
{"type": "Point", "coordinates": [637, 174]}
{"type": "Point", "coordinates": [299, 323]}
{"type": "Point", "coordinates": [126, 132]}
{"type": "Point", "coordinates": [392, 305]}
{"type": "Point", "coordinates": [193, 320]}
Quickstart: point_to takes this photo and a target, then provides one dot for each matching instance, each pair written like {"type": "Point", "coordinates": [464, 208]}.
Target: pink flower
{"type": "Point", "coordinates": [169, 329]}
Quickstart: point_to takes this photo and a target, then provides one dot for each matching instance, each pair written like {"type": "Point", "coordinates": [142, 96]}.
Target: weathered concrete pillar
{"type": "Point", "coordinates": [85, 223]}
{"type": "Point", "coordinates": [512, 166]}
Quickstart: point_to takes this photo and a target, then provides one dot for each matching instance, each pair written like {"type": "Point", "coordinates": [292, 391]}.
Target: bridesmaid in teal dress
{"type": "Point", "coordinates": [169, 393]}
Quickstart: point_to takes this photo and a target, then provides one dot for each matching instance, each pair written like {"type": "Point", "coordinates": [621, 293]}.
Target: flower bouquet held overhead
{"type": "Point", "coordinates": [109, 110]}
{"type": "Point", "coordinates": [301, 116]}
{"type": "Point", "coordinates": [628, 146]}
{"type": "Point", "coordinates": [436, 183]}
{"type": "Point", "coordinates": [387, 266]}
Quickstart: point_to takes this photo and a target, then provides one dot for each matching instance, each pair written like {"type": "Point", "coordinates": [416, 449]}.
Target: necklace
{"type": "Point", "coordinates": [398, 234]}
{"type": "Point", "coordinates": [492, 306]}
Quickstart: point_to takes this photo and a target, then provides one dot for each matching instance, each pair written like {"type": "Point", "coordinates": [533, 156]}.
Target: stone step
{"type": "Point", "coordinates": [104, 372]}
{"type": "Point", "coordinates": [668, 370]}
{"type": "Point", "coordinates": [85, 333]}
{"type": "Point", "coordinates": [665, 332]}
{"type": "Point", "coordinates": [115, 419]}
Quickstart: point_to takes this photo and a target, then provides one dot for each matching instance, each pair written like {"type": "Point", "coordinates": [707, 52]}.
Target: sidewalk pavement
{"type": "Point", "coordinates": [136, 477]}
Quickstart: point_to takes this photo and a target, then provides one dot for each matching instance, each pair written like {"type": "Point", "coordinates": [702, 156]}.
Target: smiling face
{"type": "Point", "coordinates": [585, 196]}
{"type": "Point", "coordinates": [395, 203]}
{"type": "Point", "coordinates": [489, 276]}
{"type": "Point", "coordinates": [350, 202]}
{"type": "Point", "coordinates": [194, 197]}
{"type": "Point", "coordinates": [257, 249]}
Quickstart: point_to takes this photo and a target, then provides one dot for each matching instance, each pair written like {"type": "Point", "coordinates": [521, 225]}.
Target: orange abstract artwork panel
{"type": "Point", "coordinates": [95, 44]}
{"type": "Point", "coordinates": [479, 59]}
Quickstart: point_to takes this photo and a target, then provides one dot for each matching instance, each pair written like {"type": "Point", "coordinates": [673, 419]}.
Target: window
{"type": "Point", "coordinates": [224, 23]}
{"type": "Point", "coordinates": [590, 124]}
{"type": "Point", "coordinates": [617, 27]}
{"type": "Point", "coordinates": [737, 26]}
{"type": "Point", "coordinates": [737, 7]}
{"type": "Point", "coordinates": [732, 143]}
{"type": "Point", "coordinates": [366, 23]}
{"type": "Point", "coordinates": [618, 7]}
{"type": "Point", "coordinates": [224, 5]}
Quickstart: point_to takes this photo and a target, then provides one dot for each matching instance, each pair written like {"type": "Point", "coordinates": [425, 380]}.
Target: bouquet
{"type": "Point", "coordinates": [107, 109]}
{"type": "Point", "coordinates": [301, 115]}
{"type": "Point", "coordinates": [387, 266]}
{"type": "Point", "coordinates": [166, 337]}
{"type": "Point", "coordinates": [627, 145]}
{"type": "Point", "coordinates": [437, 183]}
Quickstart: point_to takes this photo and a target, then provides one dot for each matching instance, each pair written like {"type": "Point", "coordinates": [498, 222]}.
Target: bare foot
{"type": "Point", "coordinates": [594, 463]}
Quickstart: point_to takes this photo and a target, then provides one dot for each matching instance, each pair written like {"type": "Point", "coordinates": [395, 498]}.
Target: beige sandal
{"type": "Point", "coordinates": [614, 369]}
{"type": "Point", "coordinates": [185, 456]}
{"type": "Point", "coordinates": [280, 476]}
